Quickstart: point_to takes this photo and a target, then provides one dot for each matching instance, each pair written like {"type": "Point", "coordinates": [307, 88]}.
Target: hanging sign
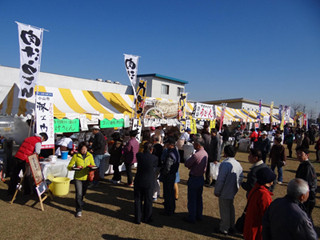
{"type": "Point", "coordinates": [66, 125]}
{"type": "Point", "coordinates": [105, 123]}
{"type": "Point", "coordinates": [193, 126]}
{"type": "Point", "coordinates": [44, 117]}
{"type": "Point", "coordinates": [30, 44]}
{"type": "Point", "coordinates": [204, 111]}
{"type": "Point", "coordinates": [212, 124]}
{"type": "Point", "coordinates": [141, 95]}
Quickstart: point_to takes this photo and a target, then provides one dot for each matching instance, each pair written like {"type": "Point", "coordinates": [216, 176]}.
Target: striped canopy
{"type": "Point", "coordinates": [71, 104]}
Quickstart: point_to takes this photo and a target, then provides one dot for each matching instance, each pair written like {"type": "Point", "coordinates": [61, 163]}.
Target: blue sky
{"type": "Point", "coordinates": [255, 49]}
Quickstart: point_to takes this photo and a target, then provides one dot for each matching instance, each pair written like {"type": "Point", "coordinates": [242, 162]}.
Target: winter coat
{"type": "Point", "coordinates": [259, 200]}
{"type": "Point", "coordinates": [27, 148]}
{"type": "Point", "coordinates": [78, 161]}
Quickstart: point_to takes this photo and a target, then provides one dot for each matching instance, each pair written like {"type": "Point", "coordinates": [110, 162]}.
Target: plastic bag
{"type": "Point", "coordinates": [214, 170]}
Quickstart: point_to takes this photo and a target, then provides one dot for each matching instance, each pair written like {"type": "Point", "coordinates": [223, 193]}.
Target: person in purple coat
{"type": "Point", "coordinates": [130, 151]}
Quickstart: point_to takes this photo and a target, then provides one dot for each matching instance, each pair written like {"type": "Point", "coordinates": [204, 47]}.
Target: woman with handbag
{"type": "Point", "coordinates": [259, 200]}
{"type": "Point", "coordinates": [82, 163]}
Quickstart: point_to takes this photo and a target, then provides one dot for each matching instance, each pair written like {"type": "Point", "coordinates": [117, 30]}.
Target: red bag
{"type": "Point", "coordinates": [91, 175]}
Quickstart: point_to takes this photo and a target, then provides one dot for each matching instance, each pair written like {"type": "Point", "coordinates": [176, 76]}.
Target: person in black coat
{"type": "Point", "coordinates": [115, 156]}
{"type": "Point", "coordinates": [307, 172]}
{"type": "Point", "coordinates": [255, 158]}
{"type": "Point", "coordinates": [144, 184]}
{"type": "Point", "coordinates": [285, 219]}
{"type": "Point", "coordinates": [263, 144]}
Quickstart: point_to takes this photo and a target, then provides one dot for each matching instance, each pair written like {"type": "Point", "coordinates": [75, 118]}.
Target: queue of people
{"type": "Point", "coordinates": [159, 162]}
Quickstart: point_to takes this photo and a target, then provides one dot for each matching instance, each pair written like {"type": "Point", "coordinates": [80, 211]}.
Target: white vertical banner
{"type": "Point", "coordinates": [30, 44]}
{"type": "Point", "coordinates": [44, 117]}
{"type": "Point", "coordinates": [131, 64]}
{"type": "Point", "coordinates": [287, 114]}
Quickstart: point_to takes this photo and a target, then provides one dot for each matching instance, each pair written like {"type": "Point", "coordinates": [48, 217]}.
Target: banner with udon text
{"type": "Point", "coordinates": [131, 64]}
{"type": "Point", "coordinates": [204, 111]}
{"type": "Point", "coordinates": [30, 43]}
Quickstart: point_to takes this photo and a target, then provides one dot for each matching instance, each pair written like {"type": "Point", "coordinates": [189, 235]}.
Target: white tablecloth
{"type": "Point", "coordinates": [57, 169]}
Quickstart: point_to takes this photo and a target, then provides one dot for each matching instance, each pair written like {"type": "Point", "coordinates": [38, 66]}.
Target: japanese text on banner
{"type": "Point", "coordinates": [44, 117]}
{"type": "Point", "coordinates": [204, 111]}
{"type": "Point", "coordinates": [182, 106]}
{"type": "Point", "coordinates": [131, 64]}
{"type": "Point", "coordinates": [141, 95]}
{"type": "Point", "coordinates": [30, 43]}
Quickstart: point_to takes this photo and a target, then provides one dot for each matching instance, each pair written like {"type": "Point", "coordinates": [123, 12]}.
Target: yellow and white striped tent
{"type": "Point", "coordinates": [236, 115]}
{"type": "Point", "coordinates": [71, 104]}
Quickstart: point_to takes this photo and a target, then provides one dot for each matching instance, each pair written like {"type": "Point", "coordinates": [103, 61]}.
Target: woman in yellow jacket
{"type": "Point", "coordinates": [80, 162]}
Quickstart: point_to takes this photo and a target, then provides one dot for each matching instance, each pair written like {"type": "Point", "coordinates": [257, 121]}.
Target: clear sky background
{"type": "Point", "coordinates": [255, 49]}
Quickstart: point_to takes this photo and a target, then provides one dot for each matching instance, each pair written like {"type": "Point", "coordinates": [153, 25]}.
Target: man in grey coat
{"type": "Point", "coordinates": [285, 218]}
{"type": "Point", "coordinates": [227, 185]}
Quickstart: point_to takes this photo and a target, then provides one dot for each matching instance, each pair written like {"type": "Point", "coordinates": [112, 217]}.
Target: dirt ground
{"type": "Point", "coordinates": [108, 213]}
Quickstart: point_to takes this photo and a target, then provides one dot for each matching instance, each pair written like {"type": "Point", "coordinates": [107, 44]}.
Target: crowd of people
{"type": "Point", "coordinates": [158, 159]}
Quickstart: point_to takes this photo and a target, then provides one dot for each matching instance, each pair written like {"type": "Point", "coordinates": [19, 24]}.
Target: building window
{"type": "Point", "coordinates": [165, 89]}
{"type": "Point", "coordinates": [180, 90]}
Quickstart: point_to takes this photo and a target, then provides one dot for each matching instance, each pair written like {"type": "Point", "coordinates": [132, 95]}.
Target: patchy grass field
{"type": "Point", "coordinates": [108, 213]}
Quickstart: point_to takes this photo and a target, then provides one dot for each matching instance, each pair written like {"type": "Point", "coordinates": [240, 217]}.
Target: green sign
{"type": "Point", "coordinates": [105, 123]}
{"type": "Point", "coordinates": [66, 125]}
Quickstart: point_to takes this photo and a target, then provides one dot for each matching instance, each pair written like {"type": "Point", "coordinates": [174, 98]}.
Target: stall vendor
{"type": "Point", "coordinates": [64, 144]}
{"type": "Point", "coordinates": [29, 146]}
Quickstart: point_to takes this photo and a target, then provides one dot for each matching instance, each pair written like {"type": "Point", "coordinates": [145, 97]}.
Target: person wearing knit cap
{"type": "Point", "coordinates": [259, 200]}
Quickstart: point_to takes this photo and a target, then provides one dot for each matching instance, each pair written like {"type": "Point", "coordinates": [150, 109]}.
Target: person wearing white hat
{"type": "Point", "coordinates": [98, 149]}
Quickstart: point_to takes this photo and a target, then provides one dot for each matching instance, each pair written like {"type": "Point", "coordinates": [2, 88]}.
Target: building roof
{"type": "Point", "coordinates": [236, 100]}
{"type": "Point", "coordinates": [164, 77]}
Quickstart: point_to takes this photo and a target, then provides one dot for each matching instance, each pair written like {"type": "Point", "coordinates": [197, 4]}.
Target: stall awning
{"type": "Point", "coordinates": [70, 103]}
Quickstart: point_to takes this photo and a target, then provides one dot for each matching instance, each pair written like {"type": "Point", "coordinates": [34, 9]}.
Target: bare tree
{"type": "Point", "coordinates": [312, 114]}
{"type": "Point", "coordinates": [297, 107]}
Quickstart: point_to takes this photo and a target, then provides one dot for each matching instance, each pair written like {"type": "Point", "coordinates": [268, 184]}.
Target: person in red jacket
{"type": "Point", "coordinates": [29, 146]}
{"type": "Point", "coordinates": [259, 200]}
{"type": "Point", "coordinates": [253, 137]}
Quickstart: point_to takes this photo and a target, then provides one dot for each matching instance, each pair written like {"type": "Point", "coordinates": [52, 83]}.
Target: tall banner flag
{"type": "Point", "coordinates": [131, 64]}
{"type": "Point", "coordinates": [222, 115]}
{"type": "Point", "coordinates": [182, 106]}
{"type": "Point", "coordinates": [283, 109]}
{"type": "Point", "coordinates": [141, 96]}
{"type": "Point", "coordinates": [259, 114]}
{"type": "Point", "coordinates": [30, 43]}
{"type": "Point", "coordinates": [305, 120]}
{"type": "Point", "coordinates": [286, 114]}
{"type": "Point", "coordinates": [271, 114]}
{"type": "Point", "coordinates": [298, 119]}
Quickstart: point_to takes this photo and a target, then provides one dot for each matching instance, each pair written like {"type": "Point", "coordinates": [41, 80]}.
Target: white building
{"type": "Point", "coordinates": [160, 86]}
{"type": "Point", "coordinates": [242, 103]}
